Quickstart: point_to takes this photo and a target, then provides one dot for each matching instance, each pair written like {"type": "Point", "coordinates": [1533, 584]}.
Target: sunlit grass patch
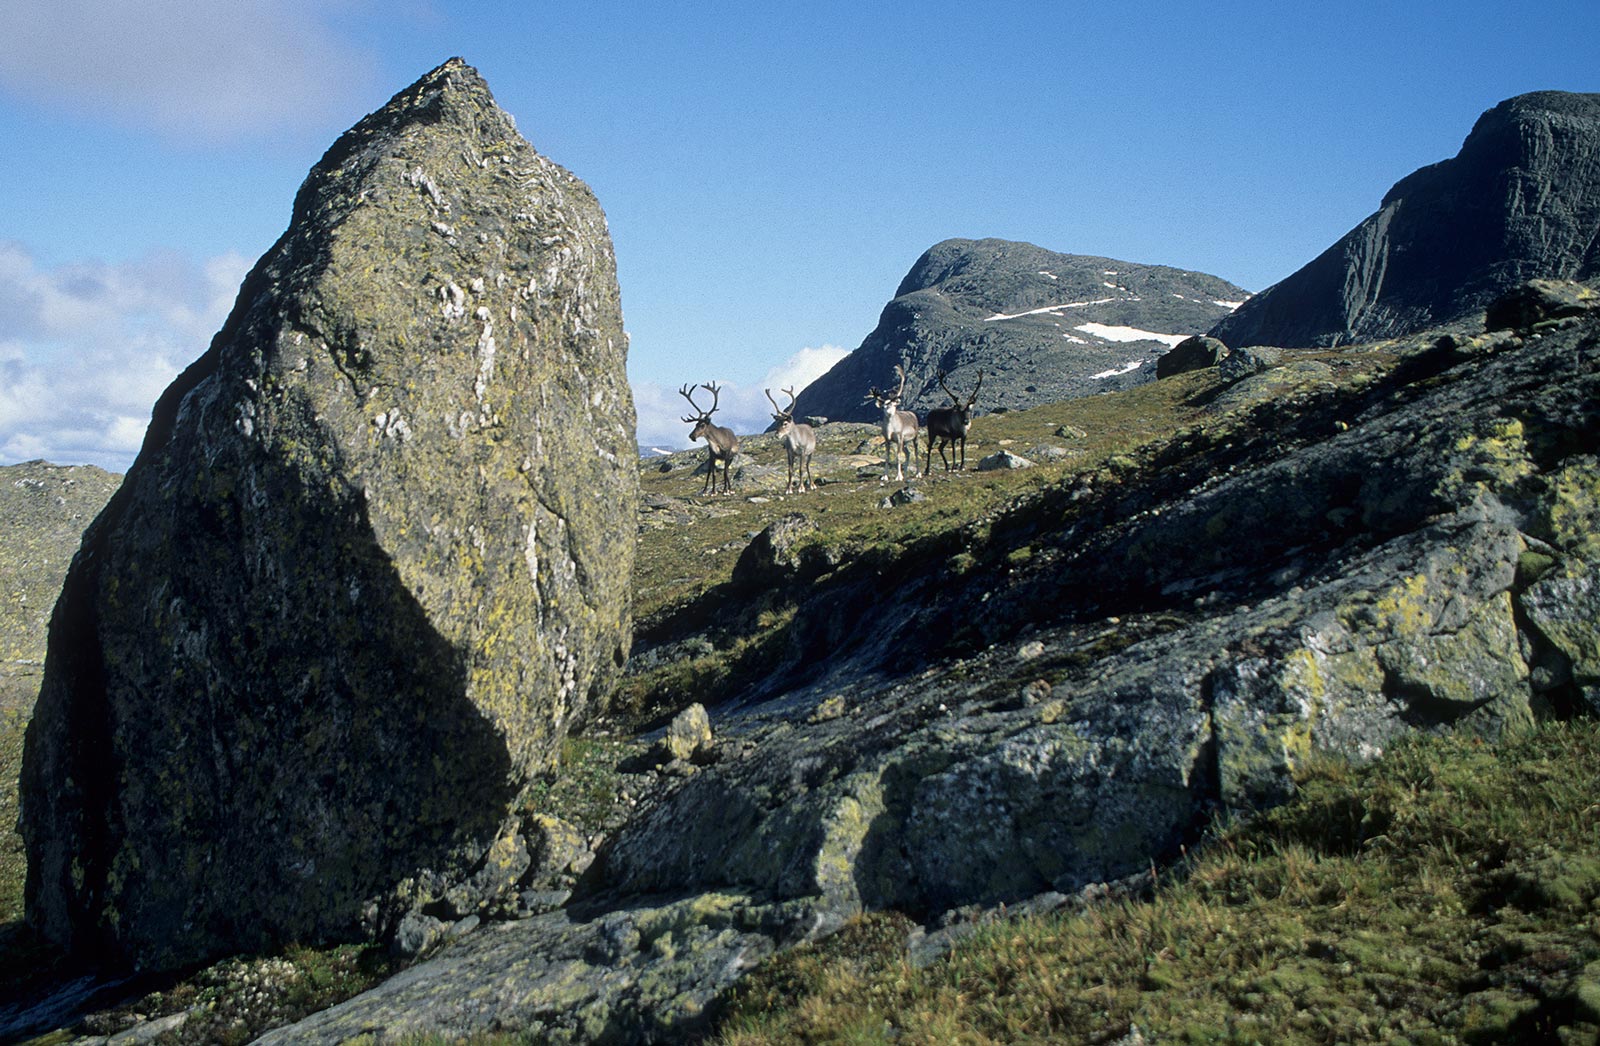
{"type": "Point", "coordinates": [1446, 894]}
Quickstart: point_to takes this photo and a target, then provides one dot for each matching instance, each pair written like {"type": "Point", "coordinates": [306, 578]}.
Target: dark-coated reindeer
{"type": "Point", "coordinates": [898, 426]}
{"type": "Point", "coordinates": [721, 443]}
{"type": "Point", "coordinates": [799, 440]}
{"type": "Point", "coordinates": [949, 425]}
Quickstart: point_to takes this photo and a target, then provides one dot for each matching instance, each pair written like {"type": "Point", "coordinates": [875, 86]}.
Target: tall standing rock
{"type": "Point", "coordinates": [370, 565]}
{"type": "Point", "coordinates": [1521, 200]}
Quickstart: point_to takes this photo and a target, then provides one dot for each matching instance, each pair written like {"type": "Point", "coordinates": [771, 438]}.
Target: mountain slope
{"type": "Point", "coordinates": [1520, 200]}
{"type": "Point", "coordinates": [44, 509]}
{"type": "Point", "coordinates": [974, 709]}
{"type": "Point", "coordinates": [1042, 327]}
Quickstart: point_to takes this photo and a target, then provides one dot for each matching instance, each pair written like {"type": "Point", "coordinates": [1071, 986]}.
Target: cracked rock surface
{"type": "Point", "coordinates": [369, 567]}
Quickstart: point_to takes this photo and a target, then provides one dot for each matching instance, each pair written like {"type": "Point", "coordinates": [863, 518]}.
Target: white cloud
{"type": "Point", "coordinates": [86, 348]}
{"type": "Point", "coordinates": [185, 68]}
{"type": "Point", "coordinates": [743, 408]}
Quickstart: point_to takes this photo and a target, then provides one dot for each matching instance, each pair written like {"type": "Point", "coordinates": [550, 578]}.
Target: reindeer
{"type": "Point", "coordinates": [949, 425]}
{"type": "Point", "coordinates": [721, 443]}
{"type": "Point", "coordinates": [898, 426]}
{"type": "Point", "coordinates": [799, 440]}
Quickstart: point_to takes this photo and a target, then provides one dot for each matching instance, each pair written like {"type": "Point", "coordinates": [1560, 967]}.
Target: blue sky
{"type": "Point", "coordinates": [769, 172]}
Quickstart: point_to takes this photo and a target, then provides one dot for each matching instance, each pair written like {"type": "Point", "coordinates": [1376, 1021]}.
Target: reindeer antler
{"type": "Point", "coordinates": [974, 397]}
{"type": "Point", "coordinates": [900, 371]}
{"type": "Point", "coordinates": [714, 389]}
{"type": "Point", "coordinates": [775, 407]}
{"type": "Point", "coordinates": [790, 393]}
{"type": "Point", "coordinates": [687, 392]}
{"type": "Point", "coordinates": [954, 399]}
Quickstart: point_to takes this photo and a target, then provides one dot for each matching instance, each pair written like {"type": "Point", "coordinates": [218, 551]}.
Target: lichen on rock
{"type": "Point", "coordinates": [369, 568]}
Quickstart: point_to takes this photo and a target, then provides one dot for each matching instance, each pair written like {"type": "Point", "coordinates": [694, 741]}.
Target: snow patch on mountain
{"type": "Point", "coordinates": [1109, 332]}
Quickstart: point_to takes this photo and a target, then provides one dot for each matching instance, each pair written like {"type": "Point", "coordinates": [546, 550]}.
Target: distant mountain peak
{"type": "Point", "coordinates": [1041, 325]}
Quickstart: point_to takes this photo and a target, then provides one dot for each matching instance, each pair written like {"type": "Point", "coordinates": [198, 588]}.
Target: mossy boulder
{"type": "Point", "coordinates": [369, 567]}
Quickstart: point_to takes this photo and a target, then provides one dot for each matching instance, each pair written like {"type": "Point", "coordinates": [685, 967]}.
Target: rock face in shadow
{"type": "Point", "coordinates": [1041, 326]}
{"type": "Point", "coordinates": [1521, 200]}
{"type": "Point", "coordinates": [369, 566]}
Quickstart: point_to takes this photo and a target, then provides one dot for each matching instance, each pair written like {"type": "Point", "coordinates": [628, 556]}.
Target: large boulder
{"type": "Point", "coordinates": [1520, 200]}
{"type": "Point", "coordinates": [370, 565]}
{"type": "Point", "coordinates": [1190, 354]}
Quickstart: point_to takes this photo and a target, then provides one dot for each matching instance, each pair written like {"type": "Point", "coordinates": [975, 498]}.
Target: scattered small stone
{"type": "Point", "coordinates": [831, 708]}
{"type": "Point", "coordinates": [689, 735]}
{"type": "Point", "coordinates": [903, 496]}
{"type": "Point", "coordinates": [416, 934]}
{"type": "Point", "coordinates": [1253, 359]}
{"type": "Point", "coordinates": [1035, 693]}
{"type": "Point", "coordinates": [1003, 459]}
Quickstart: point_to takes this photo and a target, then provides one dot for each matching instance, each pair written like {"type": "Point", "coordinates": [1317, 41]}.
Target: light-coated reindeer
{"type": "Point", "coordinates": [799, 440]}
{"type": "Point", "coordinates": [721, 443]}
{"type": "Point", "coordinates": [949, 425]}
{"type": "Point", "coordinates": [898, 427]}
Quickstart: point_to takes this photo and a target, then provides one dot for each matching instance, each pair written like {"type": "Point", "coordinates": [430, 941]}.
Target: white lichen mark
{"type": "Point", "coordinates": [486, 350]}
{"type": "Point", "coordinates": [453, 301]}
{"type": "Point", "coordinates": [420, 180]}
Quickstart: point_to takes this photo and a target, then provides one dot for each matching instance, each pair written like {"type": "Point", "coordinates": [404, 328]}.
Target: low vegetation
{"type": "Point", "coordinates": [1446, 894]}
{"type": "Point", "coordinates": [702, 639]}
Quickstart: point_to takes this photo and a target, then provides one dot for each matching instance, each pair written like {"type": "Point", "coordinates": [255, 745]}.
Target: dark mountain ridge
{"type": "Point", "coordinates": [1520, 200]}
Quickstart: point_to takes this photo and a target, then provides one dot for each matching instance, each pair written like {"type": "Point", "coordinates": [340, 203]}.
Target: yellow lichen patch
{"type": "Point", "coordinates": [844, 833]}
{"type": "Point", "coordinates": [1404, 607]}
{"type": "Point", "coordinates": [1571, 512]}
{"type": "Point", "coordinates": [1493, 460]}
{"type": "Point", "coordinates": [1302, 674]}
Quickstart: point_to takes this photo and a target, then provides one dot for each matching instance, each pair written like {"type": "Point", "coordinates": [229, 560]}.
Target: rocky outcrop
{"type": "Point", "coordinates": [369, 567]}
{"type": "Point", "coordinates": [1521, 200]}
{"type": "Point", "coordinates": [44, 509]}
{"type": "Point", "coordinates": [1041, 326]}
{"type": "Point", "coordinates": [1191, 354]}
{"type": "Point", "coordinates": [1335, 567]}
{"type": "Point", "coordinates": [646, 971]}
{"type": "Point", "coordinates": [1364, 563]}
